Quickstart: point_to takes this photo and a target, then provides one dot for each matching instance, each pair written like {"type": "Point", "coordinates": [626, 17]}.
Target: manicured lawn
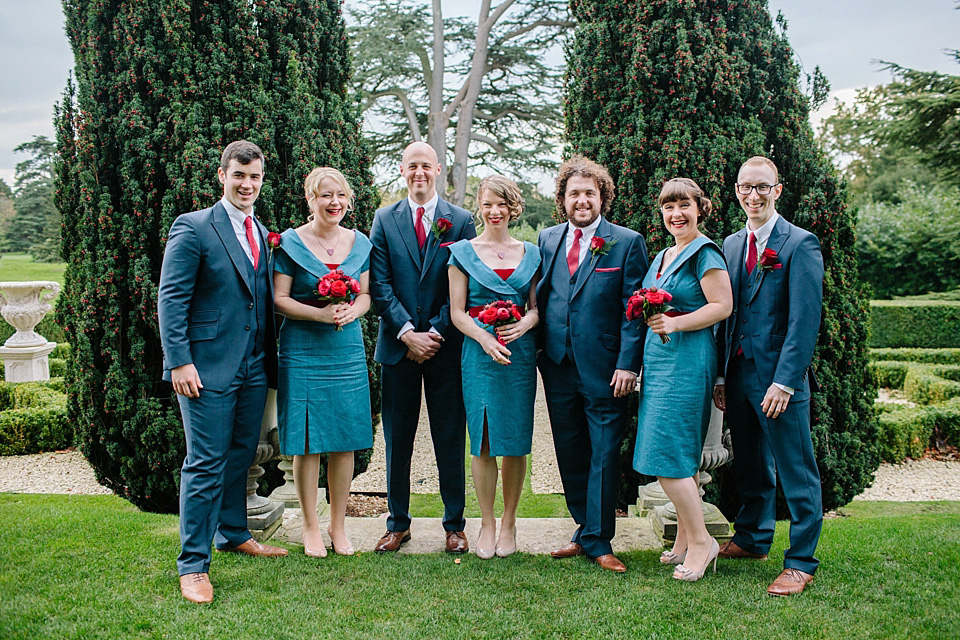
{"type": "Point", "coordinates": [20, 266]}
{"type": "Point", "coordinates": [95, 567]}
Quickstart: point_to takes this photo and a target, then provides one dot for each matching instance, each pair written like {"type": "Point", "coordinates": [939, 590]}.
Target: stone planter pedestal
{"type": "Point", "coordinates": [25, 352]}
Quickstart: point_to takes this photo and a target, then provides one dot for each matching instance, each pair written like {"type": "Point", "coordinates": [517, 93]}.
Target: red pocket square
{"type": "Point", "coordinates": [608, 269]}
{"type": "Point", "coordinates": [445, 244]}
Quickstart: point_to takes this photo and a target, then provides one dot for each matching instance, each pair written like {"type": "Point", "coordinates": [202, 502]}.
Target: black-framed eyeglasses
{"type": "Point", "coordinates": [762, 189]}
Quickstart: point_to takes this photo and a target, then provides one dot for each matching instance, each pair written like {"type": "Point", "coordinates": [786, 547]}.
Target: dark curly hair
{"type": "Point", "coordinates": [579, 165]}
{"type": "Point", "coordinates": [686, 189]}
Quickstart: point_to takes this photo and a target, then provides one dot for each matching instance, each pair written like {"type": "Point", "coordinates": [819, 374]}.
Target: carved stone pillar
{"type": "Point", "coordinates": [264, 514]}
{"type": "Point", "coordinates": [25, 352]}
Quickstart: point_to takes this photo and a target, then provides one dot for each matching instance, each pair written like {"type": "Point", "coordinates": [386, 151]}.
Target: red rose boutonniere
{"type": "Point", "coordinates": [336, 287]}
{"type": "Point", "coordinates": [500, 313]}
{"type": "Point", "coordinates": [645, 303]}
{"type": "Point", "coordinates": [274, 240]}
{"type": "Point", "coordinates": [769, 260]}
{"type": "Point", "coordinates": [440, 226]}
{"type": "Point", "coordinates": [600, 247]}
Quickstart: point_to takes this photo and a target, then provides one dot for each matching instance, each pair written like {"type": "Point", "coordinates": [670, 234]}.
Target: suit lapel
{"type": "Point", "coordinates": [589, 264]}
{"type": "Point", "coordinates": [551, 247]}
{"type": "Point", "coordinates": [738, 248]}
{"type": "Point", "coordinates": [432, 243]}
{"type": "Point", "coordinates": [403, 219]}
{"type": "Point", "coordinates": [224, 229]}
{"type": "Point", "coordinates": [777, 237]}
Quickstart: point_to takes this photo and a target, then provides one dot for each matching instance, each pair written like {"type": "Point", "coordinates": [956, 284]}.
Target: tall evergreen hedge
{"type": "Point", "coordinates": [664, 88]}
{"type": "Point", "coordinates": [161, 87]}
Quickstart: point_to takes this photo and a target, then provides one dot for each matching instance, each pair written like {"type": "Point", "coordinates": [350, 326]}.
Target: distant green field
{"type": "Point", "coordinates": [20, 266]}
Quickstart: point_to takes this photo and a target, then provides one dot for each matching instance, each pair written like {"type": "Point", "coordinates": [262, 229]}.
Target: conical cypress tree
{"type": "Point", "coordinates": [661, 88]}
{"type": "Point", "coordinates": [160, 89]}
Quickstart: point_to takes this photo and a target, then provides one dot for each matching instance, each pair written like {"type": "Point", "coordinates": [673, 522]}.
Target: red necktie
{"type": "Point", "coordinates": [254, 246]}
{"type": "Point", "coordinates": [418, 228]}
{"type": "Point", "coordinates": [573, 258]}
{"type": "Point", "coordinates": [751, 253]}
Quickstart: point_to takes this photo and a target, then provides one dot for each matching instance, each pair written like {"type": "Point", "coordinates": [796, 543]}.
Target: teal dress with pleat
{"type": "Point", "coordinates": [503, 394]}
{"type": "Point", "coordinates": [323, 390]}
{"type": "Point", "coordinates": [676, 389]}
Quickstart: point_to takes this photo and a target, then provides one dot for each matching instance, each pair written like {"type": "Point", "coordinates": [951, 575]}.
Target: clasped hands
{"type": "Point", "coordinates": [340, 314]}
{"type": "Point", "coordinates": [497, 349]}
{"type": "Point", "coordinates": [421, 345]}
{"type": "Point", "coordinates": [774, 402]}
{"type": "Point", "coordinates": [662, 324]}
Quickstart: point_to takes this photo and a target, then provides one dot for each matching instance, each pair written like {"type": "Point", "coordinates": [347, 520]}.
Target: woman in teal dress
{"type": "Point", "coordinates": [678, 376]}
{"type": "Point", "coordinates": [323, 394]}
{"type": "Point", "coordinates": [499, 376]}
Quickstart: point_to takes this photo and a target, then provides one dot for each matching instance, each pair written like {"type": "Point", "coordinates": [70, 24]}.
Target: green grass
{"type": "Point", "coordinates": [95, 567]}
{"type": "Point", "coordinates": [20, 266]}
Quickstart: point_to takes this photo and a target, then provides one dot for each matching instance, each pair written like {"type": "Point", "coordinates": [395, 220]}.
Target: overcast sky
{"type": "Point", "coordinates": [845, 38]}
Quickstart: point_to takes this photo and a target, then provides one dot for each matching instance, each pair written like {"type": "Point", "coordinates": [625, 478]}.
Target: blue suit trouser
{"type": "Point", "coordinates": [764, 448]}
{"type": "Point", "coordinates": [222, 430]}
{"type": "Point", "coordinates": [587, 433]}
{"type": "Point", "coordinates": [439, 380]}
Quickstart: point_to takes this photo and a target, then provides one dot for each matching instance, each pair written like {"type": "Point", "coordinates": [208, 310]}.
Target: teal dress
{"type": "Point", "coordinates": [677, 386]}
{"type": "Point", "coordinates": [323, 390]}
{"type": "Point", "coordinates": [503, 394]}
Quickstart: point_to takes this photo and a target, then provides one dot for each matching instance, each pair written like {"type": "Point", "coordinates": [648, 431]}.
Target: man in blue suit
{"type": "Point", "coordinates": [215, 307]}
{"type": "Point", "coordinates": [418, 346]}
{"type": "Point", "coordinates": [590, 354]}
{"type": "Point", "coordinates": [765, 350]}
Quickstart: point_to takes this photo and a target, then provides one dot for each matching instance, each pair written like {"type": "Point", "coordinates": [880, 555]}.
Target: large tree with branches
{"type": "Point", "coordinates": [480, 93]}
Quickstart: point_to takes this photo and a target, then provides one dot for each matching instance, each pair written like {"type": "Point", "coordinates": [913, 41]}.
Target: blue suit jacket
{"type": "Point", "coordinates": [602, 338]}
{"type": "Point", "coordinates": [782, 308]}
{"type": "Point", "coordinates": [408, 288]}
{"type": "Point", "coordinates": [205, 301]}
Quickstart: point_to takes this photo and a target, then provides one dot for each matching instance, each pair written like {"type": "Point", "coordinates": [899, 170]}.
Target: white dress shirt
{"type": "Point", "coordinates": [236, 219]}
{"type": "Point", "coordinates": [588, 232]}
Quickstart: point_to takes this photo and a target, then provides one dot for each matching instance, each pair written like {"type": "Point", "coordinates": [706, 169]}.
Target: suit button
{"type": "Point", "coordinates": [418, 309]}
{"type": "Point", "coordinates": [741, 337]}
{"type": "Point", "coordinates": [247, 327]}
{"type": "Point", "coordinates": [573, 280]}
{"type": "Point", "coordinates": [744, 321]}
{"type": "Point", "coordinates": [250, 306]}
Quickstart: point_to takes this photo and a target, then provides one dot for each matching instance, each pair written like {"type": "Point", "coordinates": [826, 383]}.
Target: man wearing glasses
{"type": "Point", "coordinates": [765, 349]}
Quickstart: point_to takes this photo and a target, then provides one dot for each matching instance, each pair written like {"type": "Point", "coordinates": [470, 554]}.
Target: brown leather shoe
{"type": "Point", "coordinates": [610, 562]}
{"type": "Point", "coordinates": [457, 542]}
{"type": "Point", "coordinates": [391, 541]}
{"type": "Point", "coordinates": [253, 548]}
{"type": "Point", "coordinates": [569, 550]}
{"type": "Point", "coordinates": [790, 582]}
{"type": "Point", "coordinates": [196, 587]}
{"type": "Point", "coordinates": [729, 549]}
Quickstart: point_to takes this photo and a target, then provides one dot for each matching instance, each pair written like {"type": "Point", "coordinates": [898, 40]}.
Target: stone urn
{"type": "Point", "coordinates": [23, 305]}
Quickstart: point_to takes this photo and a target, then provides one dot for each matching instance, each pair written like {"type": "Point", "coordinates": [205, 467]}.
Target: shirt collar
{"type": "Point", "coordinates": [762, 234]}
{"type": "Point", "coordinates": [236, 216]}
{"type": "Point", "coordinates": [428, 208]}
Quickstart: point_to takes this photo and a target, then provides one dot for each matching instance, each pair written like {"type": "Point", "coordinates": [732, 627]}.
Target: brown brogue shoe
{"type": "Point", "coordinates": [196, 587]}
{"type": "Point", "coordinates": [610, 562]}
{"type": "Point", "coordinates": [391, 541]}
{"type": "Point", "coordinates": [457, 542]}
{"type": "Point", "coordinates": [730, 549]}
{"type": "Point", "coordinates": [253, 548]}
{"type": "Point", "coordinates": [790, 582]}
{"type": "Point", "coordinates": [568, 550]}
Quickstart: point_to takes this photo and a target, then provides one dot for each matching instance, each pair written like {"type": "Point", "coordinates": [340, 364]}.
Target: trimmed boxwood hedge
{"type": "Point", "coordinates": [926, 356]}
{"type": "Point", "coordinates": [915, 323]}
{"type": "Point", "coordinates": [33, 418]}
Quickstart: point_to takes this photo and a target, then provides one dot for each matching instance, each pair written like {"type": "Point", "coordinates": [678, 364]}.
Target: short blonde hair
{"type": "Point", "coordinates": [767, 162]}
{"type": "Point", "coordinates": [311, 186]}
{"type": "Point", "coordinates": [686, 189]}
{"type": "Point", "coordinates": [505, 188]}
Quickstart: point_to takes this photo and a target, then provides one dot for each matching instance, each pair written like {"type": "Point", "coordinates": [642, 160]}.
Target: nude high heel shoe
{"type": "Point", "coordinates": [314, 553]}
{"type": "Point", "coordinates": [670, 557]}
{"type": "Point", "coordinates": [504, 550]}
{"type": "Point", "coordinates": [688, 575]}
{"type": "Point", "coordinates": [340, 552]}
{"type": "Point", "coordinates": [484, 554]}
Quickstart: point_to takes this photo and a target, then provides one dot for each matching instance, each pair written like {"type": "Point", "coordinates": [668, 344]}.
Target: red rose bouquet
{"type": "Point", "coordinates": [500, 313]}
{"type": "Point", "coordinates": [645, 303]}
{"type": "Point", "coordinates": [336, 287]}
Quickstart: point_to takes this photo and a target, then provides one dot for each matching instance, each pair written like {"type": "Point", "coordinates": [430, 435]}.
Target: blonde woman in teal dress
{"type": "Point", "coordinates": [323, 394]}
{"type": "Point", "coordinates": [499, 378]}
{"type": "Point", "coordinates": [678, 376]}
